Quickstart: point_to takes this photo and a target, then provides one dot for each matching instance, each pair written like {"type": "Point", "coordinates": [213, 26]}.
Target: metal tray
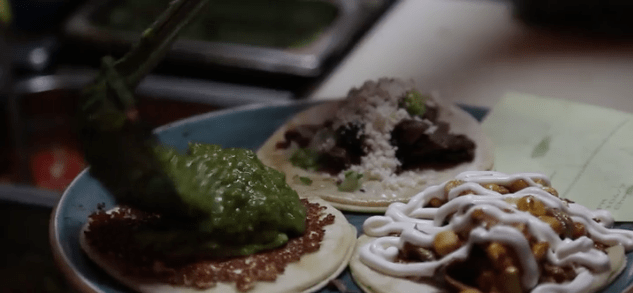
{"type": "Point", "coordinates": [221, 94]}
{"type": "Point", "coordinates": [307, 61]}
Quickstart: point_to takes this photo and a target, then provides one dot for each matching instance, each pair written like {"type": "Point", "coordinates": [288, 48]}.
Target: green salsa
{"type": "Point", "coordinates": [240, 205]}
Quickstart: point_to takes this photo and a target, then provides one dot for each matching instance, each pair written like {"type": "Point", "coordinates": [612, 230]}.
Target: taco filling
{"type": "Point", "coordinates": [492, 232]}
{"type": "Point", "coordinates": [116, 234]}
{"type": "Point", "coordinates": [380, 130]}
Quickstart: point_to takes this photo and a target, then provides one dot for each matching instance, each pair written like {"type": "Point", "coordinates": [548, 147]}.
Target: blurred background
{"type": "Point", "coordinates": [254, 51]}
{"type": "Point", "coordinates": [235, 53]}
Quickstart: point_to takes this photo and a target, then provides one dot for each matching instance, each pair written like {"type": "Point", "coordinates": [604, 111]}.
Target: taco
{"type": "Point", "coordinates": [490, 232]}
{"type": "Point", "coordinates": [381, 144]}
{"type": "Point", "coordinates": [209, 219]}
{"type": "Point", "coordinates": [234, 226]}
{"type": "Point", "coordinates": [305, 264]}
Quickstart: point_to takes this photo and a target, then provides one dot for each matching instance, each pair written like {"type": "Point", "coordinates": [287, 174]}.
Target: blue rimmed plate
{"type": "Point", "coordinates": [246, 127]}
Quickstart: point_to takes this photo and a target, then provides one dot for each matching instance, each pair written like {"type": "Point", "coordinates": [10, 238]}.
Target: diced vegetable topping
{"type": "Point", "coordinates": [305, 180]}
{"type": "Point", "coordinates": [305, 158]}
{"type": "Point", "coordinates": [413, 102]}
{"type": "Point", "coordinates": [352, 182]}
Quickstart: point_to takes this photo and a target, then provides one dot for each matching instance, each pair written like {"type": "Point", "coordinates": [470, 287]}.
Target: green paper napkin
{"type": "Point", "coordinates": [587, 151]}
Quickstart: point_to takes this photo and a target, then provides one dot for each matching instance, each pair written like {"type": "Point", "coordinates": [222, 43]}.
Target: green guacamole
{"type": "Point", "coordinates": [240, 206]}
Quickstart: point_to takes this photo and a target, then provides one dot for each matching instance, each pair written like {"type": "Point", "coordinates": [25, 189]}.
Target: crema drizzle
{"type": "Point", "coordinates": [418, 225]}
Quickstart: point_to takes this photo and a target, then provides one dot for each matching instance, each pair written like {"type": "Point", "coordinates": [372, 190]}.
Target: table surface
{"type": "Point", "coordinates": [474, 52]}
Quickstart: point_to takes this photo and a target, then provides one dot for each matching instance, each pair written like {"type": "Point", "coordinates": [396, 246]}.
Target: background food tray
{"type": "Point", "coordinates": [304, 58]}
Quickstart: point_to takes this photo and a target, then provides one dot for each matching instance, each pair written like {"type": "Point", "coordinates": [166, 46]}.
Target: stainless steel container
{"type": "Point", "coordinates": [306, 61]}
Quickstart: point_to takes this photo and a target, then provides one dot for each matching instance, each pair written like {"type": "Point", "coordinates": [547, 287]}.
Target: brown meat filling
{"type": "Point", "coordinates": [416, 149]}
{"type": "Point", "coordinates": [112, 237]}
{"type": "Point", "coordinates": [437, 150]}
{"type": "Point", "coordinates": [346, 150]}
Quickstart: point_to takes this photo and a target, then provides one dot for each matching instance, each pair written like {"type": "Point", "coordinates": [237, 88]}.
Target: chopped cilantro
{"type": "Point", "coordinates": [351, 181]}
{"type": "Point", "coordinates": [305, 159]}
{"type": "Point", "coordinates": [413, 102]}
{"type": "Point", "coordinates": [305, 180]}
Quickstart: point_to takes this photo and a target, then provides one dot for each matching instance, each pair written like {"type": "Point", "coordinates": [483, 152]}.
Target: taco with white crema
{"type": "Point", "coordinates": [486, 232]}
{"type": "Point", "coordinates": [381, 144]}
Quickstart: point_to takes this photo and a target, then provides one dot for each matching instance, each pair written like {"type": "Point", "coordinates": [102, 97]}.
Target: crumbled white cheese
{"type": "Point", "coordinates": [375, 106]}
{"type": "Point", "coordinates": [432, 128]}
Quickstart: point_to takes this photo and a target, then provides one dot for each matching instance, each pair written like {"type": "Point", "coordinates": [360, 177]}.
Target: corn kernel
{"type": "Point", "coordinates": [477, 214]}
{"type": "Point", "coordinates": [539, 250]}
{"type": "Point", "coordinates": [496, 187]}
{"type": "Point", "coordinates": [579, 230]}
{"type": "Point", "coordinates": [436, 202]}
{"type": "Point", "coordinates": [511, 280]}
{"type": "Point", "coordinates": [556, 225]}
{"type": "Point", "coordinates": [466, 192]}
{"type": "Point", "coordinates": [550, 190]}
{"type": "Point", "coordinates": [532, 205]}
{"type": "Point", "coordinates": [446, 242]}
{"type": "Point", "coordinates": [540, 182]}
{"type": "Point", "coordinates": [498, 255]}
{"type": "Point", "coordinates": [451, 184]}
{"type": "Point", "coordinates": [518, 185]}
{"type": "Point", "coordinates": [496, 251]}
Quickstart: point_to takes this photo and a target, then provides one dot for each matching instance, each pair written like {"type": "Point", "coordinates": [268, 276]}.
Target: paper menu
{"type": "Point", "coordinates": [587, 151]}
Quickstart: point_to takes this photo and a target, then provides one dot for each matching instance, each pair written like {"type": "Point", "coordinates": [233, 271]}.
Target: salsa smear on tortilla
{"type": "Point", "coordinates": [238, 206]}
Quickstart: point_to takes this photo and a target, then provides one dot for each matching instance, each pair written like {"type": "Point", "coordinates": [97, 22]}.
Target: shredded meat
{"type": "Point", "coordinates": [338, 148]}
{"type": "Point", "coordinates": [419, 148]}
